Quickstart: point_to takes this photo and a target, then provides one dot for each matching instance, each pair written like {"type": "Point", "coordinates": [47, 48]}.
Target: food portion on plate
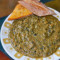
{"type": "Point", "coordinates": [29, 7]}
{"type": "Point", "coordinates": [19, 12]}
{"type": "Point", "coordinates": [33, 34]}
{"type": "Point", "coordinates": [37, 7]}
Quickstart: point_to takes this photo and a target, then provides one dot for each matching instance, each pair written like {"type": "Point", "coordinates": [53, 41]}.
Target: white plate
{"type": "Point", "coordinates": [14, 54]}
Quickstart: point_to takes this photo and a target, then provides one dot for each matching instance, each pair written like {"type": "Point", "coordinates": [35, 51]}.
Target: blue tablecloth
{"type": "Point", "coordinates": [2, 20]}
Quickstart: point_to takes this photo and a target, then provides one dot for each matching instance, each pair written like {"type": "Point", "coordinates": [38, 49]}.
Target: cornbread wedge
{"type": "Point", "coordinates": [19, 12]}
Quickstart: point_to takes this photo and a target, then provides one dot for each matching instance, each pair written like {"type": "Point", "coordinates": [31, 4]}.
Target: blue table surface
{"type": "Point", "coordinates": [1, 22]}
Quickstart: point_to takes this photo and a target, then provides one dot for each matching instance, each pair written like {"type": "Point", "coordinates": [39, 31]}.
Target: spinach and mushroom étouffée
{"type": "Point", "coordinates": [35, 36]}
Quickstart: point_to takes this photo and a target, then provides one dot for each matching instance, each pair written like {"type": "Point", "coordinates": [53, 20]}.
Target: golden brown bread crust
{"type": "Point", "coordinates": [19, 12]}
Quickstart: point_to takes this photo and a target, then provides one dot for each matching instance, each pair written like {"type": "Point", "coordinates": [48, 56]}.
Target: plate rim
{"type": "Point", "coordinates": [2, 39]}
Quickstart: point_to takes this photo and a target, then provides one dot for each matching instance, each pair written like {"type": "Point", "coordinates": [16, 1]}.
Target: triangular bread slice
{"type": "Point", "coordinates": [19, 12]}
{"type": "Point", "coordinates": [36, 7]}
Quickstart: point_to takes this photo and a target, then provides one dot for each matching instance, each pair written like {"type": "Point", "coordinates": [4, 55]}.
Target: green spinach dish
{"type": "Point", "coordinates": [35, 36]}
